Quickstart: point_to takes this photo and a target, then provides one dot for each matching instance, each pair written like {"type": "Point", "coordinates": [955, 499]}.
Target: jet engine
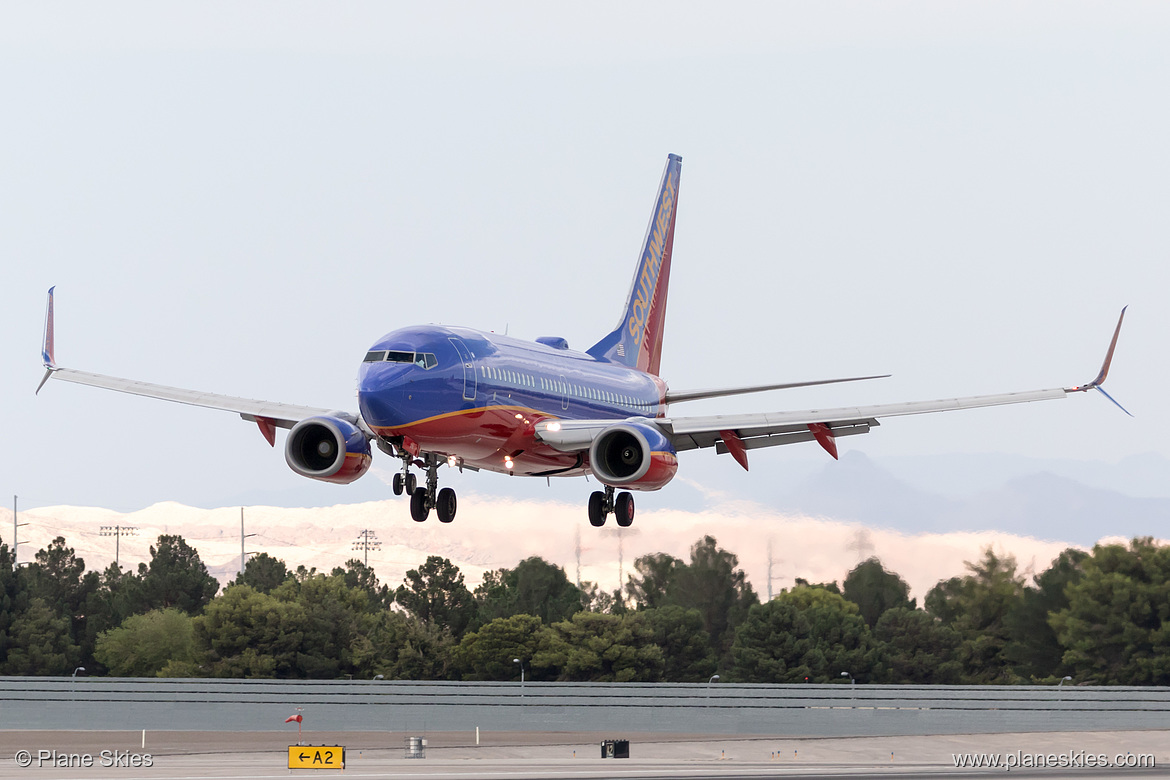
{"type": "Point", "coordinates": [633, 455]}
{"type": "Point", "coordinates": [329, 449]}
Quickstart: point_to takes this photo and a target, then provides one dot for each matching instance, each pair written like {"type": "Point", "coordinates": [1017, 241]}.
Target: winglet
{"type": "Point", "coordinates": [47, 346]}
{"type": "Point", "coordinates": [1100, 380]}
{"type": "Point", "coordinates": [47, 349]}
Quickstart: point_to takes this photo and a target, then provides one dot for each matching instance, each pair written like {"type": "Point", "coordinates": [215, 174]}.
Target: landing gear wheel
{"type": "Point", "coordinates": [411, 484]}
{"type": "Point", "coordinates": [445, 505]}
{"type": "Point", "coordinates": [623, 509]}
{"type": "Point", "coordinates": [597, 511]}
{"type": "Point", "coordinates": [418, 505]}
{"type": "Point", "coordinates": [396, 484]}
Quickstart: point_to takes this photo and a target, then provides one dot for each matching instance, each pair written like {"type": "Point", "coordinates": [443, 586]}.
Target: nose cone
{"type": "Point", "coordinates": [380, 394]}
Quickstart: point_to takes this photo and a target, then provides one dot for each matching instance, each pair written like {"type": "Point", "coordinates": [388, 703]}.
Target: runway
{"type": "Point", "coordinates": [178, 755]}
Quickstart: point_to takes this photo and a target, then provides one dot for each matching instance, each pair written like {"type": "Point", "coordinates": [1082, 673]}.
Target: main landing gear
{"type": "Point", "coordinates": [424, 499]}
{"type": "Point", "coordinates": [601, 504]}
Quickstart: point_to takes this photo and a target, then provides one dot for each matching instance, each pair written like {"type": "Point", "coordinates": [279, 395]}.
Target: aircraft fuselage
{"type": "Point", "coordinates": [484, 393]}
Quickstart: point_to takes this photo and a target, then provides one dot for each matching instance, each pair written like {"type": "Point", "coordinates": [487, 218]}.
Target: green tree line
{"type": "Point", "coordinates": [1100, 617]}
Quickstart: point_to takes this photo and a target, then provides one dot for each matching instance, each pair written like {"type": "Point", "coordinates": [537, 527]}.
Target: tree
{"type": "Point", "coordinates": [263, 573]}
{"type": "Point", "coordinates": [918, 648]}
{"type": "Point", "coordinates": [358, 575]}
{"type": "Point", "coordinates": [876, 590]}
{"type": "Point", "coordinates": [976, 606]}
{"type": "Point", "coordinates": [487, 654]}
{"type": "Point", "coordinates": [1116, 627]}
{"type": "Point", "coordinates": [535, 587]}
{"type": "Point", "coordinates": [40, 643]}
{"type": "Point", "coordinates": [1033, 647]}
{"type": "Point", "coordinates": [650, 588]}
{"type": "Point", "coordinates": [806, 634]}
{"type": "Point", "coordinates": [248, 634]}
{"type": "Point", "coordinates": [403, 648]}
{"type": "Point", "coordinates": [713, 584]}
{"type": "Point", "coordinates": [434, 593]}
{"type": "Point", "coordinates": [118, 596]}
{"type": "Point", "coordinates": [685, 644]}
{"type": "Point", "coordinates": [334, 618]}
{"type": "Point", "coordinates": [8, 601]}
{"type": "Point", "coordinates": [176, 577]}
{"type": "Point", "coordinates": [145, 644]}
{"type": "Point", "coordinates": [589, 647]}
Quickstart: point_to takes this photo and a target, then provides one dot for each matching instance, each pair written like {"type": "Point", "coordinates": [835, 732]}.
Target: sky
{"type": "Point", "coordinates": [242, 198]}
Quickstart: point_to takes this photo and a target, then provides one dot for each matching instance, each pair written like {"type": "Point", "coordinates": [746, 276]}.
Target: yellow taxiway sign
{"type": "Point", "coordinates": [316, 757]}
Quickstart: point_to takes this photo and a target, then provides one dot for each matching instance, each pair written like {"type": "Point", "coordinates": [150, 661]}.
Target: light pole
{"type": "Point", "coordinates": [379, 677]}
{"type": "Point", "coordinates": [714, 678]}
{"type": "Point", "coordinates": [518, 661]}
{"type": "Point", "coordinates": [78, 669]}
{"type": "Point", "coordinates": [1062, 679]}
{"type": "Point", "coordinates": [852, 683]}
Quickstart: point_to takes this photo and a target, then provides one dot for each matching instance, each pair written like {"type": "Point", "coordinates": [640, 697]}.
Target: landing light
{"type": "Point", "coordinates": [508, 463]}
{"type": "Point", "coordinates": [519, 417]}
{"type": "Point", "coordinates": [554, 426]}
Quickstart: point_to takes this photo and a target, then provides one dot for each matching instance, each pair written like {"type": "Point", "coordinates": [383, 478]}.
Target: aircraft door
{"type": "Point", "coordinates": [470, 382]}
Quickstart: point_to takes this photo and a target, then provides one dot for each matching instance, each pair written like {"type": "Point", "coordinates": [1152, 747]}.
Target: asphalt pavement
{"type": "Point", "coordinates": [194, 755]}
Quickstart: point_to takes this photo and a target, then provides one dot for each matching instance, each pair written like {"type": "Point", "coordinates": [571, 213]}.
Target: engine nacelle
{"type": "Point", "coordinates": [633, 455]}
{"type": "Point", "coordinates": [329, 449]}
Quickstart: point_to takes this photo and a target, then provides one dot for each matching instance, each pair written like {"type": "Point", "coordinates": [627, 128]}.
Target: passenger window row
{"type": "Point", "coordinates": [565, 388]}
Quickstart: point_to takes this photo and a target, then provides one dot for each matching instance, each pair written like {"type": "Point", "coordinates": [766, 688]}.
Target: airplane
{"type": "Point", "coordinates": [431, 395]}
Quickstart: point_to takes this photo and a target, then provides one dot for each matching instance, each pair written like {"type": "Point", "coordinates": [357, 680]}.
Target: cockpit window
{"type": "Point", "coordinates": [424, 360]}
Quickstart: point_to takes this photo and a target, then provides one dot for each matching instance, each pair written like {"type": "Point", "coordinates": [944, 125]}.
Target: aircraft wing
{"type": "Point", "coordinates": [771, 429]}
{"type": "Point", "coordinates": [266, 414]}
{"type": "Point", "coordinates": [736, 434]}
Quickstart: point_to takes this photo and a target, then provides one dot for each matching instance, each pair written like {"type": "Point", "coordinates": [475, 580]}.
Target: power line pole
{"type": "Point", "coordinates": [243, 536]}
{"type": "Point", "coordinates": [15, 525]}
{"type": "Point", "coordinates": [769, 570]}
{"type": "Point", "coordinates": [367, 540]}
{"type": "Point", "coordinates": [118, 531]}
{"type": "Point", "coordinates": [578, 548]}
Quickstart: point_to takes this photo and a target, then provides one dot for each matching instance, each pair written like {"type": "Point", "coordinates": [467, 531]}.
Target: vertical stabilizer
{"type": "Point", "coordinates": [637, 340]}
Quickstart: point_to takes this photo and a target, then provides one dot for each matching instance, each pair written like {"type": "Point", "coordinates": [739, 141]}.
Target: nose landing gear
{"type": "Point", "coordinates": [601, 504]}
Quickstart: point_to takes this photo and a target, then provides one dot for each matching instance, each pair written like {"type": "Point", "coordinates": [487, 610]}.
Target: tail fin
{"type": "Point", "coordinates": [637, 340]}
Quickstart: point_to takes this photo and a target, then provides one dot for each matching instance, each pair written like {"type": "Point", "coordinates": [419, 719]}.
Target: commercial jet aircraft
{"type": "Point", "coordinates": [430, 395]}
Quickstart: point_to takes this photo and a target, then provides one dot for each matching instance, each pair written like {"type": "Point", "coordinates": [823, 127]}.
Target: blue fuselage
{"type": "Point", "coordinates": [477, 396]}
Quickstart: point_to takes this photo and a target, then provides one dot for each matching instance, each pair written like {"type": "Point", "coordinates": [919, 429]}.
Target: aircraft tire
{"type": "Point", "coordinates": [623, 509]}
{"type": "Point", "coordinates": [418, 505]}
{"type": "Point", "coordinates": [445, 505]}
{"type": "Point", "coordinates": [597, 509]}
{"type": "Point", "coordinates": [396, 484]}
{"type": "Point", "coordinates": [411, 484]}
